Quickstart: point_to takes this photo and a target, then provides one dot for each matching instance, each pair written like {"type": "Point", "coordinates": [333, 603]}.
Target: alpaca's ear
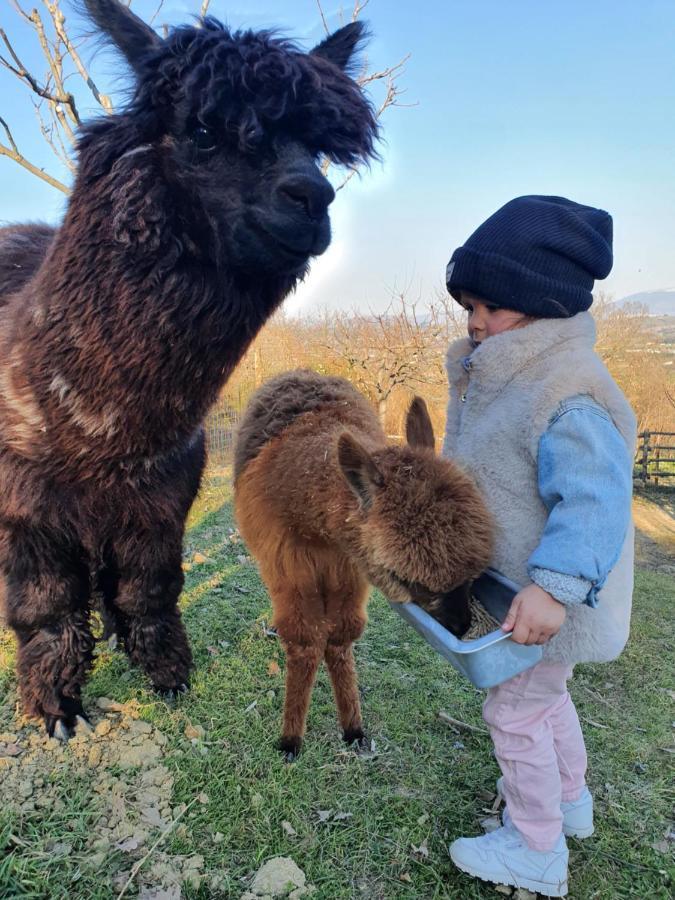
{"type": "Point", "coordinates": [358, 468]}
{"type": "Point", "coordinates": [419, 431]}
{"type": "Point", "coordinates": [340, 46]}
{"type": "Point", "coordinates": [128, 33]}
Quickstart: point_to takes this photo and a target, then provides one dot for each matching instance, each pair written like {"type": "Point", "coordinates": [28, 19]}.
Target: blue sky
{"type": "Point", "coordinates": [508, 97]}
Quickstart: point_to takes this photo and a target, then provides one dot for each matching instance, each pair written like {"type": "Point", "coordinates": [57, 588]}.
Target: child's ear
{"type": "Point", "coordinates": [359, 469]}
{"type": "Point", "coordinates": [419, 431]}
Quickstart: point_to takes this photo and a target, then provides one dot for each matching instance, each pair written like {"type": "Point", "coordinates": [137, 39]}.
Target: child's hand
{"type": "Point", "coordinates": [534, 616]}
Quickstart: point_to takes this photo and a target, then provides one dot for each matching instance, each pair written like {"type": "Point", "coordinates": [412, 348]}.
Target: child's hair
{"type": "Point", "coordinates": [536, 255]}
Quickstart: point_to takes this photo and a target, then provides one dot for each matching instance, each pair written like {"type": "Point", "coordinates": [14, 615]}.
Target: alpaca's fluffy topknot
{"type": "Point", "coordinates": [252, 86]}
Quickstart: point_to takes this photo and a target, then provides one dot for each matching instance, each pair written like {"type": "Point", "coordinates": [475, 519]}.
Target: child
{"type": "Point", "coordinates": [536, 418]}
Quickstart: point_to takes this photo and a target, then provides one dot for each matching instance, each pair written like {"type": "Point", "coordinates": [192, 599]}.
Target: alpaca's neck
{"type": "Point", "coordinates": [133, 348]}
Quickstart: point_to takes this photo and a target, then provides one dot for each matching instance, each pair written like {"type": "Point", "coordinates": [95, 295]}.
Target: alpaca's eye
{"type": "Point", "coordinates": [203, 139]}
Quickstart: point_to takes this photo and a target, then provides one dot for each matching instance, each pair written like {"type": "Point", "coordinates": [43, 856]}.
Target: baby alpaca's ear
{"type": "Point", "coordinates": [419, 431]}
{"type": "Point", "coordinates": [358, 468]}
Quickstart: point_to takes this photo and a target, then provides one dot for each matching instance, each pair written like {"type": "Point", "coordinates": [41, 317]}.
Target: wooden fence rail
{"type": "Point", "coordinates": [655, 457]}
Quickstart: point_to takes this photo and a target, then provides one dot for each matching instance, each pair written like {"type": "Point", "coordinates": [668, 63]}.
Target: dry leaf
{"type": "Point", "coordinates": [273, 668]}
{"type": "Point", "coordinates": [421, 851]}
{"type": "Point", "coordinates": [405, 876]}
{"type": "Point", "coordinates": [340, 816]}
{"type": "Point", "coordinates": [492, 823]}
{"type": "Point", "coordinates": [194, 732]}
{"type": "Point", "coordinates": [200, 558]}
{"type": "Point", "coordinates": [288, 828]}
{"type": "Point", "coordinates": [423, 818]}
{"type": "Point", "coordinates": [324, 815]}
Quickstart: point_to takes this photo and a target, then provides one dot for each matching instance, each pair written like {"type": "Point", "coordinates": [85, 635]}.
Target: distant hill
{"type": "Point", "coordinates": [659, 303]}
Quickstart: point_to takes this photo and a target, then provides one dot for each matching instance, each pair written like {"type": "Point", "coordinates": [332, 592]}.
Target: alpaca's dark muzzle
{"type": "Point", "coordinates": [307, 193]}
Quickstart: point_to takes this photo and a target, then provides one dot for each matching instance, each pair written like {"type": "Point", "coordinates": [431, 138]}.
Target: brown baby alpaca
{"type": "Point", "coordinates": [328, 508]}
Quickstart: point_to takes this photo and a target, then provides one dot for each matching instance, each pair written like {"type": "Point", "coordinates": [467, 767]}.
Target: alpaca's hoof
{"type": "Point", "coordinates": [290, 747]}
{"type": "Point", "coordinates": [354, 737]}
{"type": "Point", "coordinates": [171, 694]}
{"type": "Point", "coordinates": [64, 727]}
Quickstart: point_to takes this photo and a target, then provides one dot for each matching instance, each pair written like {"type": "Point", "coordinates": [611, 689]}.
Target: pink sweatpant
{"type": "Point", "coordinates": [539, 747]}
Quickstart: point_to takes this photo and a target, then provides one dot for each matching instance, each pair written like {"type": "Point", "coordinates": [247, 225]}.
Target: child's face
{"type": "Point", "coordinates": [486, 320]}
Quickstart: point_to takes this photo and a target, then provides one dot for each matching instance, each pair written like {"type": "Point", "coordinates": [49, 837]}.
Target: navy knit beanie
{"type": "Point", "coordinates": [537, 255]}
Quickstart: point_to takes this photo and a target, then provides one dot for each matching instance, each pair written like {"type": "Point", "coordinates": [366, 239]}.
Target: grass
{"type": "Point", "coordinates": [401, 804]}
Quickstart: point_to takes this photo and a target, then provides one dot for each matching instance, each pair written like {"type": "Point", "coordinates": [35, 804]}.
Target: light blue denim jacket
{"type": "Point", "coordinates": [585, 476]}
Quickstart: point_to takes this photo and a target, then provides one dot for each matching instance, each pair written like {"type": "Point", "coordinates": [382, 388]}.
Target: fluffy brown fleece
{"type": "Point", "coordinates": [195, 209]}
{"type": "Point", "coordinates": [327, 508]}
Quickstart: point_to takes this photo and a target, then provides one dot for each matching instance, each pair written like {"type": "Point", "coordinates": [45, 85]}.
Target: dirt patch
{"type": "Point", "coordinates": [118, 766]}
{"type": "Point", "coordinates": [654, 517]}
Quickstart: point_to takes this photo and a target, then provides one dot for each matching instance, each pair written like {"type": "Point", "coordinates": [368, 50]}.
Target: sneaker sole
{"type": "Point", "coordinates": [548, 890]}
{"type": "Point", "coordinates": [579, 833]}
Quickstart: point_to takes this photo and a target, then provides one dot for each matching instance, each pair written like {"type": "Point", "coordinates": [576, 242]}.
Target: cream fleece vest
{"type": "Point", "coordinates": [498, 410]}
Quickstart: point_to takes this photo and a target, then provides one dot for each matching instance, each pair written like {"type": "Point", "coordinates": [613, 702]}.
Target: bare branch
{"type": "Point", "coordinates": [55, 64]}
{"type": "Point", "coordinates": [59, 21]}
{"type": "Point", "coordinates": [52, 135]}
{"type": "Point", "coordinates": [24, 75]}
{"type": "Point", "coordinates": [323, 17]}
{"type": "Point", "coordinates": [205, 7]}
{"type": "Point", "coordinates": [358, 8]}
{"type": "Point", "coordinates": [13, 152]}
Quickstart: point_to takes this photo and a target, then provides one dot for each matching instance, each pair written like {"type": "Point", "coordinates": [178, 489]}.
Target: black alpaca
{"type": "Point", "coordinates": [194, 212]}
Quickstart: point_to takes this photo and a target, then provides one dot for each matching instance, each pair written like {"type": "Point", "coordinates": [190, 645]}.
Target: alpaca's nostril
{"type": "Point", "coordinates": [311, 193]}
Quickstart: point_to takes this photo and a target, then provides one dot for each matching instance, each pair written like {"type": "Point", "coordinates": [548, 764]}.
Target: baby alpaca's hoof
{"type": "Point", "coordinates": [355, 737]}
{"type": "Point", "coordinates": [290, 747]}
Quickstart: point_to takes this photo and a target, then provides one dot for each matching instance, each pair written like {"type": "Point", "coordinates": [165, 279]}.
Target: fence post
{"type": "Point", "coordinates": [645, 457]}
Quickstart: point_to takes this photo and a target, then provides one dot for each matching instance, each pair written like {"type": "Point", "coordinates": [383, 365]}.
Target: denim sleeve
{"type": "Point", "coordinates": [585, 477]}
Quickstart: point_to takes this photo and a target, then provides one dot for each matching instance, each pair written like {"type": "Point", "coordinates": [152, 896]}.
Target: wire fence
{"type": "Point", "coordinates": [654, 459]}
{"type": "Point", "coordinates": [220, 426]}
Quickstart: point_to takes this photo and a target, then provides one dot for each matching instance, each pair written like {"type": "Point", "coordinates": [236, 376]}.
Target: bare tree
{"type": "Point", "coordinates": [636, 355]}
{"type": "Point", "coordinates": [387, 78]}
{"type": "Point", "coordinates": [402, 347]}
{"type": "Point", "coordinates": [66, 77]}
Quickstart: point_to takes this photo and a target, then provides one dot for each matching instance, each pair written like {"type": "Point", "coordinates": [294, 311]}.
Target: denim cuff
{"type": "Point", "coordinates": [567, 589]}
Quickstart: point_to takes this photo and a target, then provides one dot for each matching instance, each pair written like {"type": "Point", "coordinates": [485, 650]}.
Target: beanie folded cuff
{"type": "Point", "coordinates": [509, 285]}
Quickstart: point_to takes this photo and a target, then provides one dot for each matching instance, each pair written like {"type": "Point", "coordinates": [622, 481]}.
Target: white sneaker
{"type": "Point", "coordinates": [577, 814]}
{"type": "Point", "coordinates": [503, 857]}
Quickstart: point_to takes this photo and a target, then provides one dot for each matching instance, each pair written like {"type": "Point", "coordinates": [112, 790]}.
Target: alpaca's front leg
{"type": "Point", "coordinates": [150, 582]}
{"type": "Point", "coordinates": [47, 606]}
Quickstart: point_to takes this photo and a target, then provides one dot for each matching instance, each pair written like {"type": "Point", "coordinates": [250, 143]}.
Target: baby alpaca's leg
{"type": "Point", "coordinates": [519, 713]}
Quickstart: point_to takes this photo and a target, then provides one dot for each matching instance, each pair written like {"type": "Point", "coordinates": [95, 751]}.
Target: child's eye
{"type": "Point", "coordinates": [468, 307]}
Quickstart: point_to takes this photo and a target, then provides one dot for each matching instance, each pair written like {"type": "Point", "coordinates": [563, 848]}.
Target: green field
{"type": "Point", "coordinates": [74, 821]}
